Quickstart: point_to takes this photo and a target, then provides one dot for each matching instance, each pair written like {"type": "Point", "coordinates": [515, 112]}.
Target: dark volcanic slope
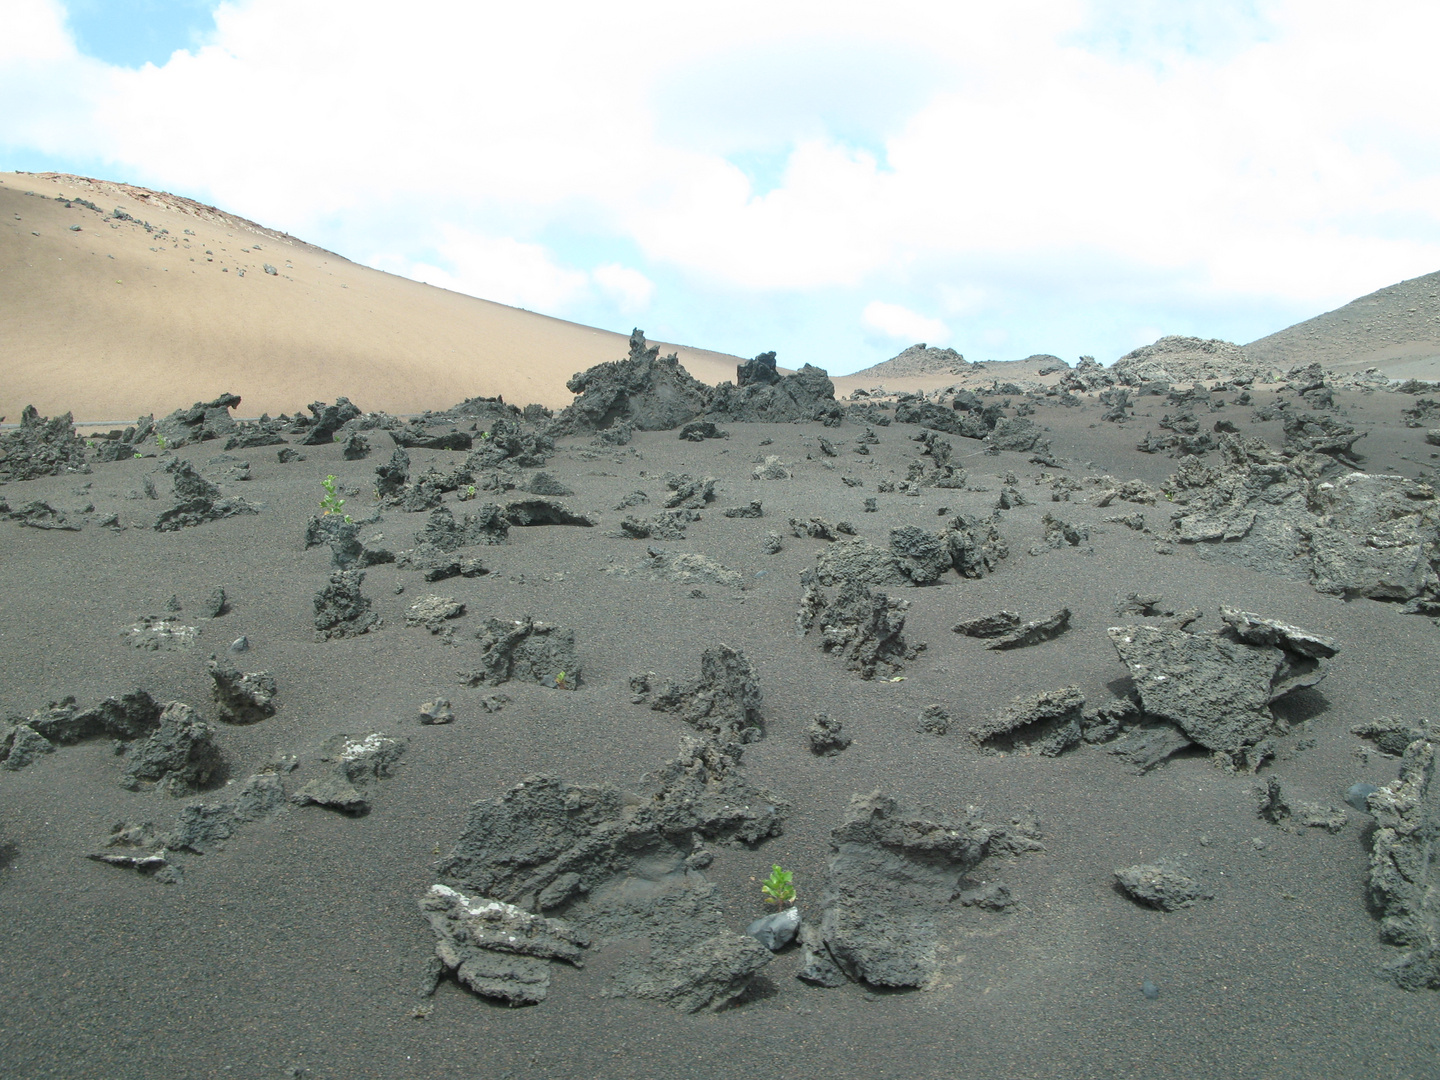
{"type": "Point", "coordinates": [295, 946]}
{"type": "Point", "coordinates": [1396, 329]}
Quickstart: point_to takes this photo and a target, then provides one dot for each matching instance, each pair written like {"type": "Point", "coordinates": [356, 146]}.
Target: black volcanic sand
{"type": "Point", "coordinates": [297, 949]}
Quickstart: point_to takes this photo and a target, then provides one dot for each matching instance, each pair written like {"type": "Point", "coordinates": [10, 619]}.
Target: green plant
{"type": "Point", "coordinates": [778, 887]}
{"type": "Point", "coordinates": [332, 503]}
{"type": "Point", "coordinates": [470, 491]}
{"type": "Point", "coordinates": [160, 441]}
{"type": "Point", "coordinates": [563, 681]}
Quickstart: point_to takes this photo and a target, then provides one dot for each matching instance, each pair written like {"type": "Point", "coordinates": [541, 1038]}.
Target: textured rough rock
{"type": "Point", "coordinates": [682, 568]}
{"type": "Point", "coordinates": [1218, 687]}
{"type": "Point", "coordinates": [495, 948]}
{"type": "Point", "coordinates": [130, 716]}
{"type": "Point", "coordinates": [1047, 724]}
{"type": "Point", "coordinates": [437, 712]}
{"type": "Point", "coordinates": [328, 419]}
{"type": "Point", "coordinates": [808, 394]}
{"type": "Point", "coordinates": [181, 755]}
{"type": "Point", "coordinates": [923, 556]}
{"type": "Point", "coordinates": [1034, 632]}
{"type": "Point", "coordinates": [487, 525]}
{"type": "Point", "coordinates": [21, 745]}
{"type": "Point", "coordinates": [859, 561]}
{"type": "Point", "coordinates": [890, 876]}
{"type": "Point", "coordinates": [40, 446]}
{"type": "Point", "coordinates": [341, 610]}
{"type": "Point", "coordinates": [350, 764]}
{"type": "Point", "coordinates": [1405, 867]}
{"type": "Point", "coordinates": [1390, 735]}
{"type": "Point", "coordinates": [772, 468]}
{"type": "Point", "coordinates": [645, 390]}
{"type": "Point", "coordinates": [1282, 810]}
{"type": "Point", "coordinates": [38, 514]}
{"type": "Point", "coordinates": [724, 702]}
{"type": "Point", "coordinates": [526, 650]}
{"type": "Point", "coordinates": [824, 736]}
{"type": "Point", "coordinates": [627, 865]}
{"type": "Point", "coordinates": [156, 634]}
{"type": "Point", "coordinates": [1184, 360]}
{"type": "Point", "coordinates": [202, 421]}
{"type": "Point", "coordinates": [203, 826]}
{"type": "Point", "coordinates": [976, 547]}
{"type": "Point", "coordinates": [1160, 886]}
{"type": "Point", "coordinates": [708, 975]}
{"type": "Point", "coordinates": [527, 512]}
{"type": "Point", "coordinates": [196, 500]}
{"type": "Point", "coordinates": [431, 612]}
{"type": "Point", "coordinates": [866, 628]}
{"type": "Point", "coordinates": [241, 698]}
{"type": "Point", "coordinates": [988, 626]}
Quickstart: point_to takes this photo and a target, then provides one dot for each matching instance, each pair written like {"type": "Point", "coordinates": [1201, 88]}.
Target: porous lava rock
{"type": "Point", "coordinates": [40, 446]}
{"type": "Point", "coordinates": [527, 650]}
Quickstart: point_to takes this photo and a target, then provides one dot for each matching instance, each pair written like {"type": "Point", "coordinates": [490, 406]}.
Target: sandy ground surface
{"type": "Point", "coordinates": [296, 950]}
{"type": "Point", "coordinates": [116, 320]}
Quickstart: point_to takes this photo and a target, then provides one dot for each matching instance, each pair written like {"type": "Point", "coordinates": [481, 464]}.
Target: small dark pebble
{"type": "Point", "coordinates": [240, 644]}
{"type": "Point", "coordinates": [1150, 990]}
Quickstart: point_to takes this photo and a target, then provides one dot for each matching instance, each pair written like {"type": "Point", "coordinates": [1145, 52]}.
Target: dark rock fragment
{"type": "Point", "coordinates": [647, 391]}
{"type": "Point", "coordinates": [1280, 809]}
{"type": "Point", "coordinates": [328, 419]}
{"type": "Point", "coordinates": [1034, 632]}
{"type": "Point", "coordinates": [40, 446]}
{"type": "Point", "coordinates": [725, 701]}
{"type": "Point", "coordinates": [181, 755]}
{"type": "Point", "coordinates": [526, 512]}
{"type": "Point", "coordinates": [341, 610]}
{"type": "Point", "coordinates": [242, 698]}
{"type": "Point", "coordinates": [1047, 724]}
{"type": "Point", "coordinates": [526, 650]}
{"type": "Point", "coordinates": [824, 736]}
{"type": "Point", "coordinates": [988, 626]}
{"type": "Point", "coordinates": [1160, 886]}
{"type": "Point", "coordinates": [1405, 869]}
{"type": "Point", "coordinates": [437, 712]}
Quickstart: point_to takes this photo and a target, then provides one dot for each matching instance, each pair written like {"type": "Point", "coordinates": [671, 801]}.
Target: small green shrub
{"type": "Point", "coordinates": [332, 503]}
{"type": "Point", "coordinates": [778, 887]}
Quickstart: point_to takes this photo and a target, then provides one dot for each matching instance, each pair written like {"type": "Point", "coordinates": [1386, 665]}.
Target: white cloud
{"type": "Point", "coordinates": [494, 268]}
{"type": "Point", "coordinates": [901, 323]}
{"type": "Point", "coordinates": [629, 289]}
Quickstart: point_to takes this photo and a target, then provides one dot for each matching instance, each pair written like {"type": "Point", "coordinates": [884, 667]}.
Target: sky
{"type": "Point", "coordinates": [834, 181]}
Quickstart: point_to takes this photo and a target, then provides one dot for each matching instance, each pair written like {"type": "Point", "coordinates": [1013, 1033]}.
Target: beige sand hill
{"type": "Point", "coordinates": [115, 320]}
{"type": "Point", "coordinates": [1395, 329]}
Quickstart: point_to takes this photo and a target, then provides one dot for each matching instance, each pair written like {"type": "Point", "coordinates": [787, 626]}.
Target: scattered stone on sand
{"type": "Point", "coordinates": [700, 430]}
{"type": "Point", "coordinates": [772, 468]}
{"type": "Point", "coordinates": [934, 720]}
{"type": "Point", "coordinates": [1392, 735]}
{"type": "Point", "coordinates": [513, 442]}
{"type": "Point", "coordinates": [542, 483]}
{"type": "Point", "coordinates": [41, 446]}
{"type": "Point", "coordinates": [1218, 687]}
{"type": "Point", "coordinates": [197, 500]}
{"type": "Point", "coordinates": [180, 756]}
{"type": "Point", "coordinates": [1034, 632]}
{"type": "Point", "coordinates": [708, 975]}
{"type": "Point", "coordinates": [681, 568]}
{"type": "Point", "coordinates": [215, 604]}
{"type": "Point", "coordinates": [1047, 724]}
{"type": "Point", "coordinates": [528, 512]}
{"type": "Point", "coordinates": [645, 390]}
{"type": "Point", "coordinates": [724, 702]}
{"type": "Point", "coordinates": [130, 716]}
{"type": "Point", "coordinates": [350, 764]}
{"type": "Point", "coordinates": [891, 875]}
{"type": "Point", "coordinates": [497, 949]}
{"type": "Point", "coordinates": [356, 447]}
{"type": "Point", "coordinates": [825, 737]}
{"type": "Point", "coordinates": [526, 650]}
{"type": "Point", "coordinates": [988, 626]}
{"type": "Point", "coordinates": [141, 850]}
{"type": "Point", "coordinates": [622, 865]}
{"type": "Point", "coordinates": [1059, 534]}
{"type": "Point", "coordinates": [437, 712]}
{"type": "Point", "coordinates": [1405, 867]}
{"type": "Point", "coordinates": [807, 394]}
{"type": "Point", "coordinates": [202, 421]}
{"type": "Point", "coordinates": [155, 634]}
{"type": "Point", "coordinates": [1287, 813]}
{"type": "Point", "coordinates": [1162, 886]}
{"type": "Point", "coordinates": [201, 826]}
{"type": "Point", "coordinates": [38, 514]}
{"type": "Point", "coordinates": [858, 560]}
{"type": "Point", "coordinates": [922, 556]}
{"type": "Point", "coordinates": [241, 697]}
{"type": "Point", "coordinates": [327, 420]}
{"type": "Point", "coordinates": [753, 510]}
{"type": "Point", "coordinates": [432, 612]}
{"type": "Point", "coordinates": [866, 628]}
{"type": "Point", "coordinates": [486, 525]}
{"type": "Point", "coordinates": [21, 745]}
{"type": "Point", "coordinates": [347, 549]}
{"type": "Point", "coordinates": [341, 610]}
